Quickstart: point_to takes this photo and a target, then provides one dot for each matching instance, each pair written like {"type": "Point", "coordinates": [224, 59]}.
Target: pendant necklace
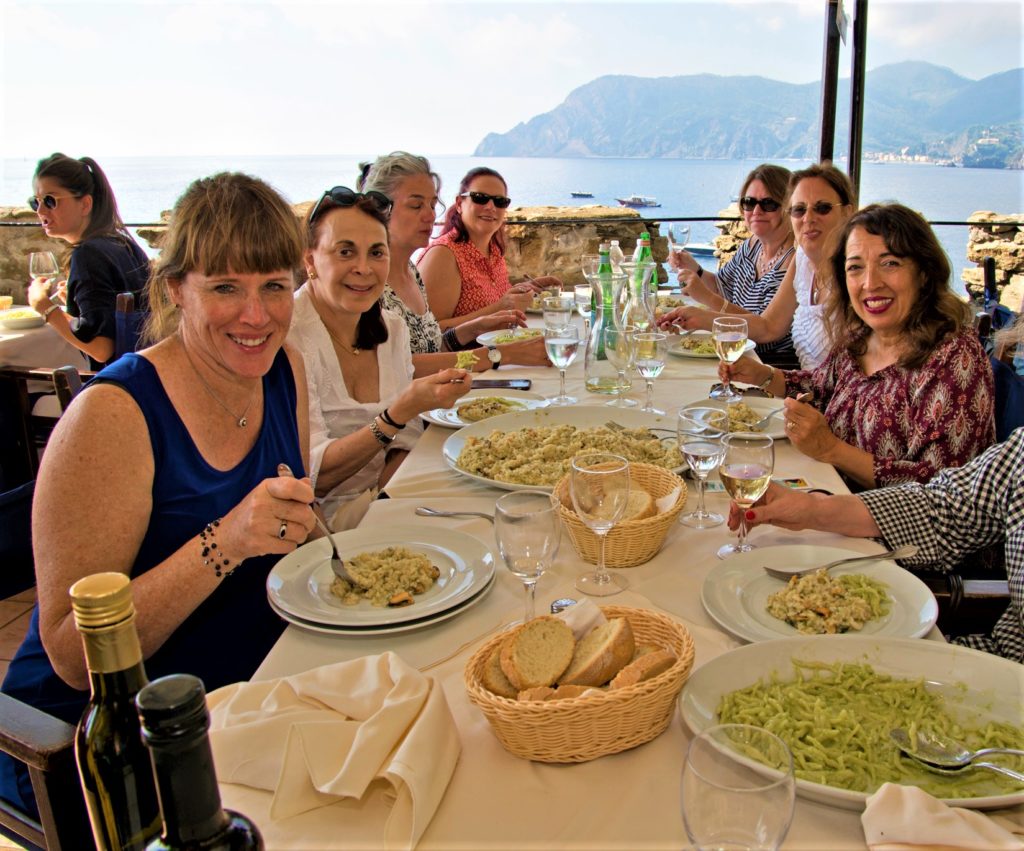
{"type": "Point", "coordinates": [766, 263]}
{"type": "Point", "coordinates": [316, 306]}
{"type": "Point", "coordinates": [241, 421]}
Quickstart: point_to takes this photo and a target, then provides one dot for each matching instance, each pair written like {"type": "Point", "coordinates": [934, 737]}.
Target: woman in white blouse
{"type": "Point", "coordinates": [364, 403]}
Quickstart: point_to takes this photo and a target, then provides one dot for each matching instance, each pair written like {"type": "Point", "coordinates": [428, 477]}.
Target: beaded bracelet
{"type": "Point", "coordinates": [451, 339]}
{"type": "Point", "coordinates": [384, 415]}
{"type": "Point", "coordinates": [208, 540]}
{"type": "Point", "coordinates": [382, 438]}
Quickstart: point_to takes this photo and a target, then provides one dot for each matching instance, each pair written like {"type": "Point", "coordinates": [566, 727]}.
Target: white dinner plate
{"type": "Point", "coordinates": [677, 350]}
{"type": "Point", "coordinates": [776, 426]}
{"type": "Point", "coordinates": [449, 417]}
{"type": "Point", "coordinates": [490, 338]}
{"type": "Point", "coordinates": [583, 416]}
{"type": "Point", "coordinates": [976, 687]}
{"type": "Point", "coordinates": [735, 592]}
{"type": "Point", "coordinates": [300, 583]}
{"type": "Point", "coordinates": [387, 629]}
{"type": "Point", "coordinates": [20, 318]}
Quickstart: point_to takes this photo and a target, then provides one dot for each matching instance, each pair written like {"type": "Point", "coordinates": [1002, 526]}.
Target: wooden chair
{"type": "Point", "coordinates": [67, 381]}
{"type": "Point", "coordinates": [128, 324]}
{"type": "Point", "coordinates": [968, 606]}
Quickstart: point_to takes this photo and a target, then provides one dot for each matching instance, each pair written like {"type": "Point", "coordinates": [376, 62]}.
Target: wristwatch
{"type": "Point", "coordinates": [494, 356]}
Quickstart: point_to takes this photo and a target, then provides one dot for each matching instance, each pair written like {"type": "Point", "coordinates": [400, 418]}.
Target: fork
{"type": "Point", "coordinates": [761, 423]}
{"type": "Point", "coordinates": [614, 426]}
{"type": "Point", "coordinates": [905, 551]}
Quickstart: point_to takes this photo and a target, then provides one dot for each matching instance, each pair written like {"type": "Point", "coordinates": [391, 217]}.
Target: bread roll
{"type": "Point", "coordinates": [601, 654]}
{"type": "Point", "coordinates": [494, 678]}
{"type": "Point", "coordinates": [538, 653]}
{"type": "Point", "coordinates": [646, 667]}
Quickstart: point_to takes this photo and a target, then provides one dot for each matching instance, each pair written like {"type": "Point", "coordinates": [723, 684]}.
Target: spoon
{"type": "Point", "coordinates": [900, 552]}
{"type": "Point", "coordinates": [945, 756]}
{"type": "Point", "coordinates": [435, 512]}
{"type": "Point", "coordinates": [337, 563]}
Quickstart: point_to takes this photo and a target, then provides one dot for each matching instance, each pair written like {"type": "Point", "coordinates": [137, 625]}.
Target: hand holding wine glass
{"type": "Point", "coordinates": [746, 470]}
{"type": "Point", "coordinates": [527, 528]}
{"type": "Point", "coordinates": [599, 486]}
{"type": "Point", "coordinates": [562, 346]}
{"type": "Point", "coordinates": [43, 267]}
{"type": "Point", "coordinates": [729, 334]}
{"type": "Point", "coordinates": [651, 351]}
{"type": "Point", "coordinates": [700, 432]}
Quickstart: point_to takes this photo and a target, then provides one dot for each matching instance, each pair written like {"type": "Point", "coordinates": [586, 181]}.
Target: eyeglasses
{"type": "Point", "coordinates": [822, 208]}
{"type": "Point", "coordinates": [769, 205]}
{"type": "Point", "coordinates": [48, 201]}
{"type": "Point", "coordinates": [481, 198]}
{"type": "Point", "coordinates": [342, 196]}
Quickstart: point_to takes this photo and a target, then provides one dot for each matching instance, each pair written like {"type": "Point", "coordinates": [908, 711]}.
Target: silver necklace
{"type": "Point", "coordinates": [241, 421]}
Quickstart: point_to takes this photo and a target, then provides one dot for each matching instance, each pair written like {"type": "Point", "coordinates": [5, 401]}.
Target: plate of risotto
{"type": "Point", "coordinates": [533, 449]}
{"type": "Point", "coordinates": [742, 415]}
{"type": "Point", "coordinates": [403, 574]}
{"type": "Point", "coordinates": [698, 344]}
{"type": "Point", "coordinates": [478, 405]}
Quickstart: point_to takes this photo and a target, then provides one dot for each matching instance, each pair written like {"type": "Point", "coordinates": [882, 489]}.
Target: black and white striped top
{"type": "Point", "coordinates": [743, 288]}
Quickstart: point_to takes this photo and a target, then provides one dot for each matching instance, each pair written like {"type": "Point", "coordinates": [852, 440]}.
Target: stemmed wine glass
{"type": "Point", "coordinates": [43, 264]}
{"type": "Point", "coordinates": [729, 334]}
{"type": "Point", "coordinates": [589, 264]}
{"type": "Point", "coordinates": [527, 528]}
{"type": "Point", "coordinates": [738, 788]}
{"type": "Point", "coordinates": [584, 294]}
{"type": "Point", "coordinates": [562, 345]}
{"type": "Point", "coordinates": [599, 485]}
{"type": "Point", "coordinates": [748, 460]}
{"type": "Point", "coordinates": [619, 349]}
{"type": "Point", "coordinates": [678, 237]}
{"type": "Point", "coordinates": [650, 361]}
{"type": "Point", "coordinates": [700, 432]}
{"type": "Point", "coordinates": [557, 311]}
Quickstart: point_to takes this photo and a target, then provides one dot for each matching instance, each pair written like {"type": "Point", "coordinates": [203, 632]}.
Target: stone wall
{"type": "Point", "coordinates": [16, 243]}
{"type": "Point", "coordinates": [1004, 243]}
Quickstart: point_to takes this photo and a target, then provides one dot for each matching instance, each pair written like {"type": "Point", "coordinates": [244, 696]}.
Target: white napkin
{"type": "Point", "coordinates": [582, 617]}
{"type": "Point", "coordinates": [902, 818]}
{"type": "Point", "coordinates": [324, 735]}
{"type": "Point", "coordinates": [666, 502]}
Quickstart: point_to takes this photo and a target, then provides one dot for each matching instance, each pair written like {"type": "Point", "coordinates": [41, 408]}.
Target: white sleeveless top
{"type": "Point", "coordinates": [810, 339]}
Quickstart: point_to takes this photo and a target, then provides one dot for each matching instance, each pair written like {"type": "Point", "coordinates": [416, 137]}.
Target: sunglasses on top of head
{"type": "Point", "coordinates": [48, 201]}
{"type": "Point", "coordinates": [822, 208]}
{"type": "Point", "coordinates": [769, 205]}
{"type": "Point", "coordinates": [481, 198]}
{"type": "Point", "coordinates": [342, 196]}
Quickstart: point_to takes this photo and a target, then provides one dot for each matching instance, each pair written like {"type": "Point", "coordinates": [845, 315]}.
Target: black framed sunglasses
{"type": "Point", "coordinates": [342, 196]}
{"type": "Point", "coordinates": [48, 201]}
{"type": "Point", "coordinates": [822, 208]}
{"type": "Point", "coordinates": [749, 202]}
{"type": "Point", "coordinates": [481, 198]}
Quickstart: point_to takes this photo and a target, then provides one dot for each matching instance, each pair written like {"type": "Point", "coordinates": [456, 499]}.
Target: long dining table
{"type": "Point", "coordinates": [629, 800]}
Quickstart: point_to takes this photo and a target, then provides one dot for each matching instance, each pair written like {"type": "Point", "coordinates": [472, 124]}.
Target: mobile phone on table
{"type": "Point", "coordinates": [504, 383]}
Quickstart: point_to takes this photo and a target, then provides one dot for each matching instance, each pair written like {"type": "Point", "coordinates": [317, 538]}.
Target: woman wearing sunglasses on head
{"type": "Point", "coordinates": [749, 281]}
{"type": "Point", "coordinates": [413, 188]}
{"type": "Point", "coordinates": [907, 388]}
{"type": "Point", "coordinates": [74, 202]}
{"type": "Point", "coordinates": [364, 404]}
{"type": "Point", "coordinates": [464, 269]}
{"type": "Point", "coordinates": [821, 199]}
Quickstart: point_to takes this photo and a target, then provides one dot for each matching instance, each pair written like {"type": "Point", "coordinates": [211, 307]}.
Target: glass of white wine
{"type": "Point", "coordinates": [43, 264]}
{"type": "Point", "coordinates": [599, 485]}
{"type": "Point", "coordinates": [650, 361]}
{"type": "Point", "coordinates": [584, 295]}
{"type": "Point", "coordinates": [562, 346]}
{"type": "Point", "coordinates": [700, 432]}
{"type": "Point", "coordinates": [748, 460]}
{"type": "Point", "coordinates": [619, 349]}
{"type": "Point", "coordinates": [729, 334]}
{"type": "Point", "coordinates": [527, 528]}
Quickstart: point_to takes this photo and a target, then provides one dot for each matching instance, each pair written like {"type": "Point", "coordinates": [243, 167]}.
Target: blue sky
{"type": "Point", "coordinates": [191, 78]}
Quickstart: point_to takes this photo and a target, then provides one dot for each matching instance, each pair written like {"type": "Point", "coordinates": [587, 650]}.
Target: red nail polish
{"type": "Point", "coordinates": [750, 515]}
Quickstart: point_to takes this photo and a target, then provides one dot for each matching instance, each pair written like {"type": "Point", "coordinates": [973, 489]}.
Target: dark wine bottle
{"type": "Point", "coordinates": [112, 761]}
{"type": "Point", "coordinates": [175, 722]}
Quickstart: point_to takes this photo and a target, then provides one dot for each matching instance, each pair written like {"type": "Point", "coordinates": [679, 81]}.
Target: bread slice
{"type": "Point", "coordinates": [494, 678]}
{"type": "Point", "coordinates": [601, 654]}
{"type": "Point", "coordinates": [560, 693]}
{"type": "Point", "coordinates": [644, 649]}
{"type": "Point", "coordinates": [639, 505]}
{"type": "Point", "coordinates": [647, 667]}
{"type": "Point", "coordinates": [538, 653]}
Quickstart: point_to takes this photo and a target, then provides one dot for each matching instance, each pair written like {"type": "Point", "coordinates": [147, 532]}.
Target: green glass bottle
{"type": "Point", "coordinates": [112, 761]}
{"type": "Point", "coordinates": [599, 375]}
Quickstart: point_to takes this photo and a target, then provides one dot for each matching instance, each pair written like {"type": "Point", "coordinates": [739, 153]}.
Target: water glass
{"type": "Point", "coordinates": [599, 486]}
{"type": "Point", "coordinates": [738, 789]}
{"type": "Point", "coordinates": [748, 460]}
{"type": "Point", "coordinates": [729, 334]}
{"type": "Point", "coordinates": [620, 351]}
{"type": "Point", "coordinates": [584, 295]}
{"type": "Point", "coordinates": [527, 528]}
{"type": "Point", "coordinates": [558, 311]}
{"type": "Point", "coordinates": [562, 346]}
{"type": "Point", "coordinates": [650, 356]}
{"type": "Point", "coordinates": [700, 432]}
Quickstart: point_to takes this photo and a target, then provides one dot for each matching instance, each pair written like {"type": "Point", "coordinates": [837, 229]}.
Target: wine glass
{"type": "Point", "coordinates": [619, 349]}
{"type": "Point", "coordinates": [599, 485]}
{"type": "Point", "coordinates": [746, 469]}
{"type": "Point", "coordinates": [584, 295]}
{"type": "Point", "coordinates": [558, 311]}
{"type": "Point", "coordinates": [738, 789]}
{"type": "Point", "coordinates": [562, 345]}
{"type": "Point", "coordinates": [589, 264]}
{"type": "Point", "coordinates": [650, 351]}
{"type": "Point", "coordinates": [678, 237]}
{"type": "Point", "coordinates": [527, 528]}
{"type": "Point", "coordinates": [729, 334]}
{"type": "Point", "coordinates": [43, 264]}
{"type": "Point", "coordinates": [700, 432]}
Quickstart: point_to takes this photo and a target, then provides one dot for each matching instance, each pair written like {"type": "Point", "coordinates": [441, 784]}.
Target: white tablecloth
{"type": "Point", "coordinates": [38, 347]}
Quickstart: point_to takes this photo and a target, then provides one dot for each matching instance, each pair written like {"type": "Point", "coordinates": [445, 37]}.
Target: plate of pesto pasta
{"type": "Point", "coordinates": [833, 700]}
{"type": "Point", "coordinates": [877, 598]}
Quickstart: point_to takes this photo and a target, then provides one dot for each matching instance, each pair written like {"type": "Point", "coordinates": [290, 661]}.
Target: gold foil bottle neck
{"type": "Point", "coordinates": [102, 600]}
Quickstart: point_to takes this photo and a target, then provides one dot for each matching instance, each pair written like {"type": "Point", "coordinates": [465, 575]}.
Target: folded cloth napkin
{"type": "Point", "coordinates": [902, 818]}
{"type": "Point", "coordinates": [324, 735]}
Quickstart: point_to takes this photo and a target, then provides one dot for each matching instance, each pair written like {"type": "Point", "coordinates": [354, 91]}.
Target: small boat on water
{"type": "Point", "coordinates": [701, 249]}
{"type": "Point", "coordinates": [582, 194]}
{"type": "Point", "coordinates": [638, 201]}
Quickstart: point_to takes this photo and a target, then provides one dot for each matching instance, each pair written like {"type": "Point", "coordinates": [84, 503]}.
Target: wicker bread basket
{"type": "Point", "coordinates": [584, 728]}
{"type": "Point", "coordinates": [635, 541]}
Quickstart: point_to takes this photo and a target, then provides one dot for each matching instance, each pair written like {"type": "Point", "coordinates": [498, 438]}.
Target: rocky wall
{"type": "Point", "coordinates": [1004, 243]}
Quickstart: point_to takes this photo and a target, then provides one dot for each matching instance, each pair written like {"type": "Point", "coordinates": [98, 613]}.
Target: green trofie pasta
{"type": "Point", "coordinates": [836, 720]}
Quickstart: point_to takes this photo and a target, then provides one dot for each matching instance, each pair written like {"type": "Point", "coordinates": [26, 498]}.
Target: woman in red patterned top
{"type": "Point", "coordinates": [464, 269]}
{"type": "Point", "coordinates": [907, 388]}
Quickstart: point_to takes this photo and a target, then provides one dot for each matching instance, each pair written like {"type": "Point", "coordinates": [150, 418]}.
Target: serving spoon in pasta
{"type": "Point", "coordinates": [945, 756]}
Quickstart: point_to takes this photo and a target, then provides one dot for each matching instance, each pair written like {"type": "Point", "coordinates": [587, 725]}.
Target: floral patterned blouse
{"type": "Point", "coordinates": [484, 279]}
{"type": "Point", "coordinates": [424, 332]}
{"type": "Point", "coordinates": [914, 421]}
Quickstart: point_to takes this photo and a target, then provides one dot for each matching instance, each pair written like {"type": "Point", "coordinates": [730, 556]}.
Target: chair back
{"type": "Point", "coordinates": [128, 321]}
{"type": "Point", "coordinates": [1009, 401]}
{"type": "Point", "coordinates": [67, 381]}
{"type": "Point", "coordinates": [17, 568]}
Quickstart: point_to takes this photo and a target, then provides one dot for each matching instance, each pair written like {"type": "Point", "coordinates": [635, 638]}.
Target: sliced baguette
{"type": "Point", "coordinates": [560, 693]}
{"type": "Point", "coordinates": [646, 667]}
{"type": "Point", "coordinates": [494, 678]}
{"type": "Point", "coordinates": [639, 505]}
{"type": "Point", "coordinates": [601, 654]}
{"type": "Point", "coordinates": [538, 653]}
